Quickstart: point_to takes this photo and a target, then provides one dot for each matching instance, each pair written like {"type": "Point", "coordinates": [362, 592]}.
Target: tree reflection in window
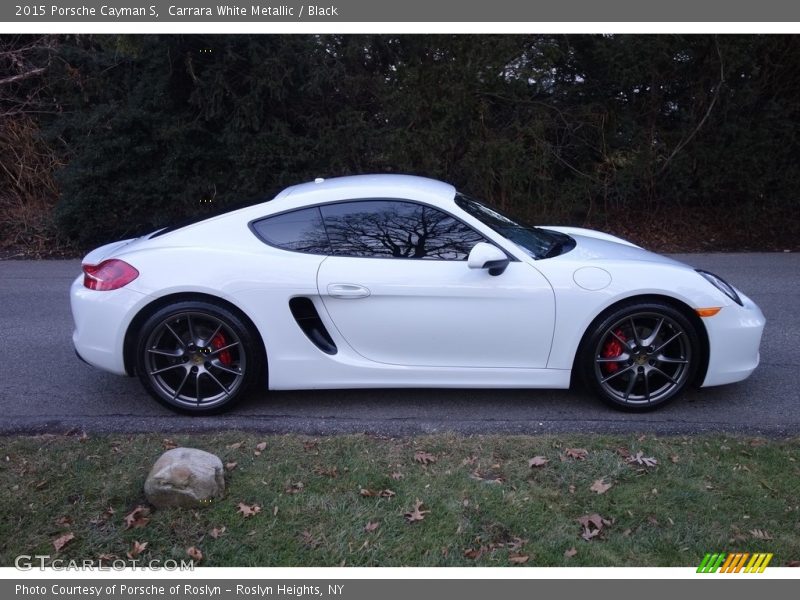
{"type": "Point", "coordinates": [394, 229]}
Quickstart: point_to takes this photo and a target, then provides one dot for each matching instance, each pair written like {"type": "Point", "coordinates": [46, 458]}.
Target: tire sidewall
{"type": "Point", "coordinates": [599, 327]}
{"type": "Point", "coordinates": [253, 360]}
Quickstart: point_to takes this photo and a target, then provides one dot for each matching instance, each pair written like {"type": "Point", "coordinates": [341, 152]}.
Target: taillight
{"type": "Point", "coordinates": [109, 275]}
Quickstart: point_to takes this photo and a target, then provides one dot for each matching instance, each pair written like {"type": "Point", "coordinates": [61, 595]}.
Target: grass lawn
{"type": "Point", "coordinates": [350, 500]}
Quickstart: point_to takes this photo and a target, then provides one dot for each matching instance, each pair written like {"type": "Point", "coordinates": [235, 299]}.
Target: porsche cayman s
{"type": "Point", "coordinates": [394, 281]}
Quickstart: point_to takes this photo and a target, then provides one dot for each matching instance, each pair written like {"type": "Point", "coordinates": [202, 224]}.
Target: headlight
{"type": "Point", "coordinates": [722, 285]}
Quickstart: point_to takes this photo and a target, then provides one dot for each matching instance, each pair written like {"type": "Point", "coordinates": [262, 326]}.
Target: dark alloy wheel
{"type": "Point", "coordinates": [197, 357]}
{"type": "Point", "coordinates": [640, 356]}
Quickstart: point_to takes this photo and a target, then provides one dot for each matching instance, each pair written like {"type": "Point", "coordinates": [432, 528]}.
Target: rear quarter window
{"type": "Point", "coordinates": [297, 231]}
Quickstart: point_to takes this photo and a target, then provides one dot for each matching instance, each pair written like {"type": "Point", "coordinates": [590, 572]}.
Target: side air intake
{"type": "Point", "coordinates": [307, 317]}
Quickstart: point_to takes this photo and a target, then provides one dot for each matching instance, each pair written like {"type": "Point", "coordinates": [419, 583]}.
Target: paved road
{"type": "Point", "coordinates": [45, 388]}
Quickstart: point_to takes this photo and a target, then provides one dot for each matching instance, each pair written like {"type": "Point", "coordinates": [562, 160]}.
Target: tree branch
{"type": "Point", "coordinates": [689, 138]}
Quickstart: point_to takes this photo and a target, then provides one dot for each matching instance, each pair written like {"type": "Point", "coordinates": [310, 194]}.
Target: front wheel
{"type": "Point", "coordinates": [197, 357]}
{"type": "Point", "coordinates": [640, 356]}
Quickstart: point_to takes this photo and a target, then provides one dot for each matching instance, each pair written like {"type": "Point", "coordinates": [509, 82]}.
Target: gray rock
{"type": "Point", "coordinates": [185, 477]}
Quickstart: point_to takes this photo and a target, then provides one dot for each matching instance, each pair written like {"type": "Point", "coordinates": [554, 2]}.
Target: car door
{"type": "Point", "coordinates": [398, 289]}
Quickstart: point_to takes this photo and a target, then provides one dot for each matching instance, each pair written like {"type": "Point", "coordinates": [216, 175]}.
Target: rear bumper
{"type": "Point", "coordinates": [101, 320]}
{"type": "Point", "coordinates": [734, 338]}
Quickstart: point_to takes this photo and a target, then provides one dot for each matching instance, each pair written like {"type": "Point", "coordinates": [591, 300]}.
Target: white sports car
{"type": "Point", "coordinates": [399, 281]}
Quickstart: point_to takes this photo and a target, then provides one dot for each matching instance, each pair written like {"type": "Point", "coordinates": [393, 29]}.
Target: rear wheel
{"type": "Point", "coordinates": [640, 356]}
{"type": "Point", "coordinates": [197, 357]}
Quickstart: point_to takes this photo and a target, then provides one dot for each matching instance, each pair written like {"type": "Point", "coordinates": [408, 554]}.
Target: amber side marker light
{"type": "Point", "coordinates": [708, 312]}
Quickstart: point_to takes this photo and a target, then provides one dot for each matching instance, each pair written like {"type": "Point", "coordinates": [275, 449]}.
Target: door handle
{"type": "Point", "coordinates": [347, 290]}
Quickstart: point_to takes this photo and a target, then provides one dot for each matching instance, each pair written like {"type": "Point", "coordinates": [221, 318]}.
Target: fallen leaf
{"type": "Point", "coordinates": [248, 510]}
{"type": "Point", "coordinates": [641, 438]}
{"type": "Point", "coordinates": [516, 544]}
{"type": "Point", "coordinates": [600, 486]}
{"type": "Point", "coordinates": [623, 452]}
{"type": "Point", "coordinates": [106, 557]}
{"type": "Point", "coordinates": [538, 461]}
{"type": "Point", "coordinates": [592, 525]}
{"type": "Point", "coordinates": [168, 444]}
{"type": "Point", "coordinates": [570, 553]}
{"type": "Point", "coordinates": [416, 514]}
{"type": "Point", "coordinates": [195, 553]}
{"type": "Point", "coordinates": [397, 476]}
{"type": "Point", "coordinates": [235, 446]}
{"type": "Point", "coordinates": [294, 488]}
{"type": "Point", "coordinates": [576, 453]}
{"type": "Point", "coordinates": [571, 489]}
{"type": "Point", "coordinates": [62, 541]}
{"type": "Point", "coordinates": [138, 517]}
{"type": "Point", "coordinates": [136, 549]}
{"type": "Point", "coordinates": [760, 534]}
{"type": "Point", "coordinates": [518, 559]}
{"type": "Point", "coordinates": [217, 532]}
{"type": "Point", "coordinates": [470, 460]}
{"type": "Point", "coordinates": [230, 466]}
{"type": "Point", "coordinates": [793, 563]}
{"type": "Point", "coordinates": [474, 554]}
{"type": "Point", "coordinates": [274, 511]}
{"type": "Point", "coordinates": [370, 526]}
{"type": "Point", "coordinates": [309, 446]}
{"type": "Point", "coordinates": [652, 520]}
{"type": "Point", "coordinates": [309, 539]}
{"type": "Point", "coordinates": [261, 446]}
{"type": "Point", "coordinates": [367, 493]}
{"type": "Point", "coordinates": [103, 517]}
{"type": "Point", "coordinates": [63, 521]}
{"type": "Point", "coordinates": [674, 458]}
{"type": "Point", "coordinates": [331, 472]}
{"type": "Point", "coordinates": [488, 477]}
{"type": "Point", "coordinates": [640, 459]}
{"type": "Point", "coordinates": [83, 437]}
{"type": "Point", "coordinates": [424, 458]}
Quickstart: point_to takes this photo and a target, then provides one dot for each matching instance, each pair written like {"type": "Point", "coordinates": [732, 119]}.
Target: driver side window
{"type": "Point", "coordinates": [396, 229]}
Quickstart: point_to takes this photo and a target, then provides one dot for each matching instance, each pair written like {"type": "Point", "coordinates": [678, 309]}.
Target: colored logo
{"type": "Point", "coordinates": [736, 562]}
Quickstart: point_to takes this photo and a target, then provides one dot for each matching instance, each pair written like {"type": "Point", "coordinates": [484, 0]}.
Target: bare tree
{"type": "Point", "coordinates": [23, 62]}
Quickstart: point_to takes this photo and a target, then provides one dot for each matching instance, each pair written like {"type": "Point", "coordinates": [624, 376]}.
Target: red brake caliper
{"type": "Point", "coordinates": [612, 349]}
{"type": "Point", "coordinates": [217, 342]}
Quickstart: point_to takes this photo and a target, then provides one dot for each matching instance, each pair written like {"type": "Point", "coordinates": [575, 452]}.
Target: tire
{"type": "Point", "coordinates": [640, 355]}
{"type": "Point", "coordinates": [196, 357]}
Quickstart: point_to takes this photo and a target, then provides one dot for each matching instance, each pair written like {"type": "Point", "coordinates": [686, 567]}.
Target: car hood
{"type": "Point", "coordinates": [598, 246]}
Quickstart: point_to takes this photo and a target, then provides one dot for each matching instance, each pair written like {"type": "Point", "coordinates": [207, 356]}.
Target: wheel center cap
{"type": "Point", "coordinates": [197, 359]}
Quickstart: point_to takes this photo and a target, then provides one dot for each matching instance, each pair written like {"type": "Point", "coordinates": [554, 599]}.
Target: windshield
{"type": "Point", "coordinates": [535, 241]}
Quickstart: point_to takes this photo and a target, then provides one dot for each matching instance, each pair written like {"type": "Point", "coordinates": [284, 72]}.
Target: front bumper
{"type": "Point", "coordinates": [734, 338]}
{"type": "Point", "coordinates": [101, 320]}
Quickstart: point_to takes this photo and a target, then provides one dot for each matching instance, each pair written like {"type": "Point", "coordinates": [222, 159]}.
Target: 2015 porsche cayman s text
{"type": "Point", "coordinates": [400, 281]}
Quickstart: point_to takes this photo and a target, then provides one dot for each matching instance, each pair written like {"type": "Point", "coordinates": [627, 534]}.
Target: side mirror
{"type": "Point", "coordinates": [487, 256]}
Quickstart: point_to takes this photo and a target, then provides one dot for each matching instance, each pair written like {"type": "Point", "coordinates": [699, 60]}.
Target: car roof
{"type": "Point", "coordinates": [368, 186]}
